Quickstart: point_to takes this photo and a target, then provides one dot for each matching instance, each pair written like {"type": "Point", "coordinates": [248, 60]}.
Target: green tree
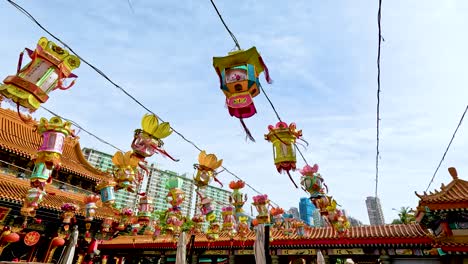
{"type": "Point", "coordinates": [406, 216]}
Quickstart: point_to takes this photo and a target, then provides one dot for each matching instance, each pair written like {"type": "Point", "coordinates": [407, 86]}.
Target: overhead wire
{"type": "Point", "coordinates": [447, 149]}
{"type": "Point", "coordinates": [32, 18]}
{"type": "Point", "coordinates": [377, 154]}
{"type": "Point", "coordinates": [225, 26]}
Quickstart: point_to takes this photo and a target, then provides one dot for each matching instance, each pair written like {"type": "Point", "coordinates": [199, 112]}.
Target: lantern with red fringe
{"type": "Point", "coordinates": [238, 74]}
{"type": "Point", "coordinates": [50, 65]}
{"type": "Point", "coordinates": [261, 203]}
{"type": "Point", "coordinates": [237, 198]}
{"type": "Point", "coordinates": [283, 138]}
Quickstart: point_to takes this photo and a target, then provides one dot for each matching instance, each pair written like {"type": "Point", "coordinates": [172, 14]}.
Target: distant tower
{"type": "Point", "coordinates": [374, 210]}
{"type": "Point", "coordinates": [295, 212]}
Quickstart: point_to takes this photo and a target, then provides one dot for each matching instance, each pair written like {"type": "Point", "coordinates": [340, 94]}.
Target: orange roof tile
{"type": "Point", "coordinates": [14, 190]}
{"type": "Point", "coordinates": [20, 138]}
{"type": "Point", "coordinates": [410, 234]}
{"type": "Point", "coordinates": [452, 196]}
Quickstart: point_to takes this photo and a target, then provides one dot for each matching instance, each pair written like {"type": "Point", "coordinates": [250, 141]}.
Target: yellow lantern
{"type": "Point", "coordinates": [49, 66]}
{"type": "Point", "coordinates": [206, 169]}
{"type": "Point", "coordinates": [238, 74]}
{"type": "Point", "coordinates": [127, 171]}
{"type": "Point", "coordinates": [283, 138]}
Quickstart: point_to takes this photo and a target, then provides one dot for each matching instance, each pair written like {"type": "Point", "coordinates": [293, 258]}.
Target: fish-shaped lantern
{"type": "Point", "coordinates": [50, 65]}
{"type": "Point", "coordinates": [283, 138]}
{"type": "Point", "coordinates": [238, 75]}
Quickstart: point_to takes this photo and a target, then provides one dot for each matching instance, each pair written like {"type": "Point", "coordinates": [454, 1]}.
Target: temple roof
{"type": "Point", "coordinates": [19, 137]}
{"type": "Point", "coordinates": [410, 234]}
{"type": "Point", "coordinates": [14, 190]}
{"type": "Point", "coordinates": [454, 196]}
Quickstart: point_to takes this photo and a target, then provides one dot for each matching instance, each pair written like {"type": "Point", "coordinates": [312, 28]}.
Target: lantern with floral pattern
{"type": "Point", "coordinates": [237, 198]}
{"type": "Point", "coordinates": [312, 181]}
{"type": "Point", "coordinates": [50, 65]}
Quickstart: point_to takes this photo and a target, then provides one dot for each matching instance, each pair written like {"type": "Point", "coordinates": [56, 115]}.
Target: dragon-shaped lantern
{"type": "Point", "coordinates": [283, 138]}
{"type": "Point", "coordinates": [238, 74]}
{"type": "Point", "coordinates": [50, 65]}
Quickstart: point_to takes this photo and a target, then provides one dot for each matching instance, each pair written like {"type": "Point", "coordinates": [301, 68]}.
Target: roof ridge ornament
{"type": "Point", "coordinates": [453, 173]}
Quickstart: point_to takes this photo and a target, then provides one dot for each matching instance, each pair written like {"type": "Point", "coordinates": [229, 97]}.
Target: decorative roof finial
{"type": "Point", "coordinates": [453, 172]}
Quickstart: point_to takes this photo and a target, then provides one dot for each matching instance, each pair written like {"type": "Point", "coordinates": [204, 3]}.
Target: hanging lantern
{"type": "Point", "coordinates": [148, 140]}
{"type": "Point", "coordinates": [40, 176]}
{"type": "Point", "coordinates": [53, 133]}
{"type": "Point", "coordinates": [69, 211]}
{"type": "Point", "coordinates": [277, 214]}
{"type": "Point", "coordinates": [107, 224]}
{"type": "Point", "coordinates": [34, 197]}
{"type": "Point", "coordinates": [125, 216]}
{"type": "Point", "coordinates": [206, 209]}
{"type": "Point", "coordinates": [175, 198]}
{"type": "Point", "coordinates": [238, 74]}
{"type": "Point", "coordinates": [283, 138]}
{"type": "Point", "coordinates": [50, 65]}
{"type": "Point", "coordinates": [126, 171]}
{"type": "Point", "coordinates": [206, 169]}
{"type": "Point", "coordinates": [145, 210]}
{"type": "Point", "coordinates": [261, 203]}
{"type": "Point", "coordinates": [243, 227]}
{"type": "Point", "coordinates": [90, 202]}
{"type": "Point", "coordinates": [106, 188]}
{"type": "Point", "coordinates": [237, 198]}
{"type": "Point", "coordinates": [213, 231]}
{"type": "Point", "coordinates": [322, 204]}
{"type": "Point", "coordinates": [312, 181]}
{"type": "Point", "coordinates": [197, 223]}
{"type": "Point", "coordinates": [229, 221]}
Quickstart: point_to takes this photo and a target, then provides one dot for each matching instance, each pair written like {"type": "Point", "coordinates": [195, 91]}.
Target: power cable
{"type": "Point", "coordinates": [377, 154]}
{"type": "Point", "coordinates": [225, 26]}
{"type": "Point", "coordinates": [447, 149]}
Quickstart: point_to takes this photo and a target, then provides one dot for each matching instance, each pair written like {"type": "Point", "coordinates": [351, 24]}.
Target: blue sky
{"type": "Point", "coordinates": [322, 57]}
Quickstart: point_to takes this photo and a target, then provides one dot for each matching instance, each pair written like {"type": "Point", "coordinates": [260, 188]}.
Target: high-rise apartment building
{"type": "Point", "coordinates": [220, 199]}
{"type": "Point", "coordinates": [318, 220]}
{"type": "Point", "coordinates": [374, 210]}
{"type": "Point", "coordinates": [103, 162]}
{"type": "Point", "coordinates": [156, 189]}
{"type": "Point", "coordinates": [306, 211]}
{"type": "Point", "coordinates": [295, 212]}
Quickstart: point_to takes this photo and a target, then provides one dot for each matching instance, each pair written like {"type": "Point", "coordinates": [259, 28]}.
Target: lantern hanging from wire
{"type": "Point", "coordinates": [206, 169]}
{"type": "Point", "coordinates": [312, 181]}
{"type": "Point", "coordinates": [145, 210]}
{"type": "Point", "coordinates": [50, 65]}
{"type": "Point", "coordinates": [283, 138]}
{"type": "Point", "coordinates": [106, 188]}
{"type": "Point", "coordinates": [261, 203]}
{"type": "Point", "coordinates": [175, 197]}
{"type": "Point", "coordinates": [229, 220]}
{"type": "Point", "coordinates": [237, 199]}
{"type": "Point", "coordinates": [238, 75]}
{"type": "Point", "coordinates": [90, 206]}
{"type": "Point", "coordinates": [148, 140]}
{"type": "Point", "coordinates": [126, 170]}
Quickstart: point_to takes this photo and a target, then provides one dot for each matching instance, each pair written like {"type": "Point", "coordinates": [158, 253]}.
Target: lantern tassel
{"type": "Point", "coordinates": [247, 131]}
{"type": "Point", "coordinates": [163, 152]}
{"type": "Point", "coordinates": [267, 73]}
{"type": "Point", "coordinates": [25, 119]}
{"type": "Point", "coordinates": [20, 62]}
{"type": "Point", "coordinates": [291, 179]}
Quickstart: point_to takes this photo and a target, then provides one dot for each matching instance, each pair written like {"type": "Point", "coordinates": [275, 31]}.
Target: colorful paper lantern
{"type": "Point", "coordinates": [229, 220]}
{"type": "Point", "coordinates": [50, 65]}
{"type": "Point", "coordinates": [261, 203]}
{"type": "Point", "coordinates": [197, 220]}
{"type": "Point", "coordinates": [90, 206]}
{"type": "Point", "coordinates": [107, 224]}
{"type": "Point", "coordinates": [243, 227]}
{"type": "Point", "coordinates": [277, 214]}
{"type": "Point", "coordinates": [238, 74]}
{"type": "Point", "coordinates": [41, 175]}
{"type": "Point", "coordinates": [106, 188]}
{"type": "Point", "coordinates": [312, 181]}
{"type": "Point", "coordinates": [145, 210]}
{"type": "Point", "coordinates": [148, 140]}
{"type": "Point", "coordinates": [69, 211]}
{"type": "Point", "coordinates": [237, 198]}
{"type": "Point", "coordinates": [127, 170]}
{"type": "Point", "coordinates": [206, 169]}
{"type": "Point", "coordinates": [283, 138]}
